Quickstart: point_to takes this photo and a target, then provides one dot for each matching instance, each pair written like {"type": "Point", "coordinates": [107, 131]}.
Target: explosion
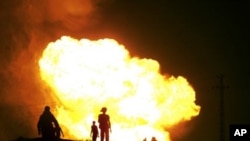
{"type": "Point", "coordinates": [86, 75]}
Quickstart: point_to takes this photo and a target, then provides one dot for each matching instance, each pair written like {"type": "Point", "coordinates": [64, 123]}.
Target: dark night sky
{"type": "Point", "coordinates": [198, 40]}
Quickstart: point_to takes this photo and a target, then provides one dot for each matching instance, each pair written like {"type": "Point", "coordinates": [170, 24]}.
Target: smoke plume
{"type": "Point", "coordinates": [26, 27]}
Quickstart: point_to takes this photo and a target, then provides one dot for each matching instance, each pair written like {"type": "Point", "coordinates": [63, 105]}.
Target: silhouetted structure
{"type": "Point", "coordinates": [222, 87]}
{"type": "Point", "coordinates": [48, 126]}
{"type": "Point", "coordinates": [94, 131]}
{"type": "Point", "coordinates": [104, 124]}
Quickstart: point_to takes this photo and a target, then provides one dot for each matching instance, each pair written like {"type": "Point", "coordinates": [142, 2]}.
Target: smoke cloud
{"type": "Point", "coordinates": [26, 28]}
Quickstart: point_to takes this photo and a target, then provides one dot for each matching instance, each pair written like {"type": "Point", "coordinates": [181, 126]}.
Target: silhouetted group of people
{"type": "Point", "coordinates": [104, 126]}
{"type": "Point", "coordinates": [152, 139]}
{"type": "Point", "coordinates": [50, 130]}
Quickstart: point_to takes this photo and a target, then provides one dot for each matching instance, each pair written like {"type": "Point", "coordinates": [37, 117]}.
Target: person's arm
{"type": "Point", "coordinates": [109, 124]}
{"type": "Point", "coordinates": [91, 131]}
{"type": "Point", "coordinates": [97, 132]}
{"type": "Point", "coordinates": [55, 122]}
{"type": "Point", "coordinates": [61, 131]}
{"type": "Point", "coordinates": [99, 119]}
{"type": "Point", "coordinates": [39, 126]}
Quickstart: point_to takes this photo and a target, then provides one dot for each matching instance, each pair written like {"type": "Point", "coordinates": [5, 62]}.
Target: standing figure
{"type": "Point", "coordinates": [47, 125]}
{"type": "Point", "coordinates": [104, 124]}
{"type": "Point", "coordinates": [153, 139]}
{"type": "Point", "coordinates": [94, 131]}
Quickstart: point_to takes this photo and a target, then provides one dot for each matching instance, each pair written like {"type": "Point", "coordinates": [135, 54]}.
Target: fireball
{"type": "Point", "coordinates": [86, 75]}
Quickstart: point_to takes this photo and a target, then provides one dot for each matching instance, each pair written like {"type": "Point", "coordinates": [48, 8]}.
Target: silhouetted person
{"type": "Point", "coordinates": [94, 131]}
{"type": "Point", "coordinates": [104, 124]}
{"type": "Point", "coordinates": [47, 125]}
{"type": "Point", "coordinates": [153, 139]}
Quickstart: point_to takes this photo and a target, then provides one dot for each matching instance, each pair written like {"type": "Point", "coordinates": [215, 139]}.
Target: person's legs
{"type": "Point", "coordinates": [102, 135]}
{"type": "Point", "coordinates": [45, 135]}
{"type": "Point", "coordinates": [94, 137]}
{"type": "Point", "coordinates": [106, 135]}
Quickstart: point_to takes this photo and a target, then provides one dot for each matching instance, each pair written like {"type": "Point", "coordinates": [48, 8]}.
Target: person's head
{"type": "Point", "coordinates": [93, 122]}
{"type": "Point", "coordinates": [104, 109]}
{"type": "Point", "coordinates": [47, 108]}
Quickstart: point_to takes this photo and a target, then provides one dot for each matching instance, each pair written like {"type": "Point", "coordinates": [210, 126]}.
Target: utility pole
{"type": "Point", "coordinates": [221, 88]}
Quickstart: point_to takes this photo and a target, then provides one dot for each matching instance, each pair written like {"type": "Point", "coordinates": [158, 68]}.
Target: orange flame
{"type": "Point", "coordinates": [87, 75]}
